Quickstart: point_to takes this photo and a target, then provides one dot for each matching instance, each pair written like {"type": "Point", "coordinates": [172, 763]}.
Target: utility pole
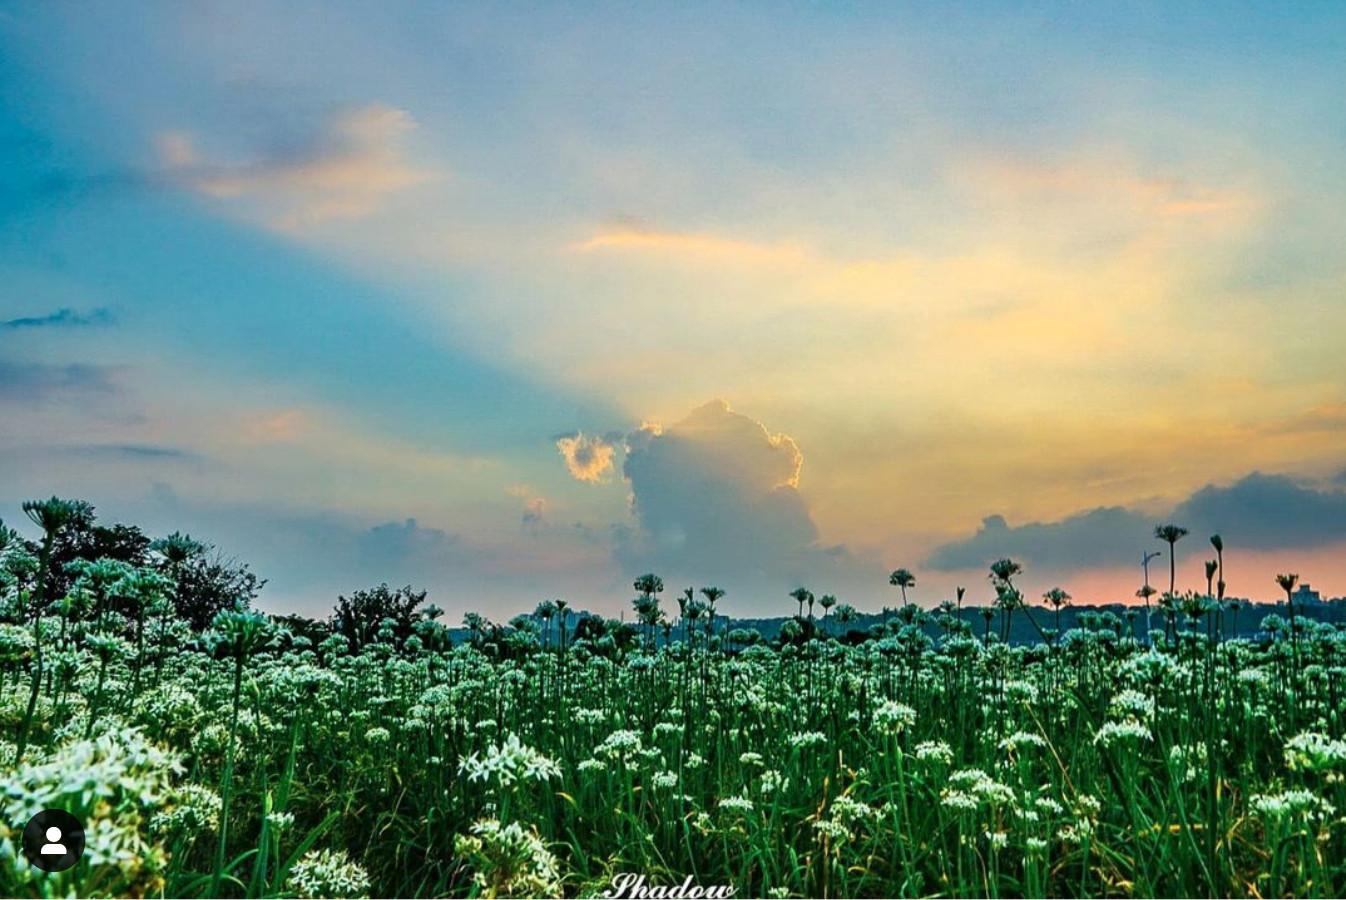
{"type": "Point", "coordinates": [1145, 564]}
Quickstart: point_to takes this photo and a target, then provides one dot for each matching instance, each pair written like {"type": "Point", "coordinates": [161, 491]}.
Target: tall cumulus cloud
{"type": "Point", "coordinates": [715, 497]}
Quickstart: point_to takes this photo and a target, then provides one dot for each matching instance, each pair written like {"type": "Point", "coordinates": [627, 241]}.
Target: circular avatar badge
{"type": "Point", "coordinates": [53, 840]}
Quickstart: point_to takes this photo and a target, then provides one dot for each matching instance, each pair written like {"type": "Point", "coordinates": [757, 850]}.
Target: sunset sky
{"type": "Point", "coordinates": [516, 301]}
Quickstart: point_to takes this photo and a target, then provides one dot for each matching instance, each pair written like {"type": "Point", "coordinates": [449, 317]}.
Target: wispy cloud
{"type": "Point", "coordinates": [62, 318]}
{"type": "Point", "coordinates": [145, 452]}
{"type": "Point", "coordinates": [42, 382]}
{"type": "Point", "coordinates": [705, 247]}
{"type": "Point", "coordinates": [345, 172]}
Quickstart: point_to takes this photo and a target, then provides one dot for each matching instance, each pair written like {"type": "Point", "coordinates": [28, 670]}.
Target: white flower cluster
{"type": "Point", "coordinates": [1115, 732]}
{"type": "Point", "coordinates": [1020, 739]}
{"type": "Point", "coordinates": [197, 810]}
{"type": "Point", "coordinates": [508, 763]}
{"type": "Point", "coordinates": [590, 716]}
{"type": "Point", "coordinates": [1131, 703]}
{"type": "Point", "coordinates": [1189, 760]}
{"type": "Point", "coordinates": [971, 788]}
{"type": "Point", "coordinates": [1314, 752]}
{"type": "Point", "coordinates": [327, 873]}
{"type": "Point", "coordinates": [665, 780]}
{"type": "Point", "coordinates": [807, 739]}
{"type": "Point", "coordinates": [622, 742]}
{"type": "Point", "coordinates": [1293, 805]}
{"type": "Point", "coordinates": [509, 860]}
{"type": "Point", "coordinates": [934, 751]}
{"type": "Point", "coordinates": [80, 774]}
{"type": "Point", "coordinates": [892, 717]}
{"type": "Point", "coordinates": [844, 816]}
{"type": "Point", "coordinates": [735, 804]}
{"type": "Point", "coordinates": [119, 771]}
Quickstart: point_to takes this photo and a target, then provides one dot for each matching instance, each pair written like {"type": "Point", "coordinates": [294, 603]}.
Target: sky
{"type": "Point", "coordinates": [513, 302]}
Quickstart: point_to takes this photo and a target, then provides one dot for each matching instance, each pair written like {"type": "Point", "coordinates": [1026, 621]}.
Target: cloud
{"type": "Point", "coordinates": [1094, 537]}
{"type": "Point", "coordinates": [716, 498]}
{"type": "Point", "coordinates": [1118, 184]}
{"type": "Point", "coordinates": [1259, 512]}
{"type": "Point", "coordinates": [41, 382]}
{"type": "Point", "coordinates": [404, 547]}
{"type": "Point", "coordinates": [137, 452]}
{"type": "Point", "coordinates": [588, 457]}
{"type": "Point", "coordinates": [1327, 417]}
{"type": "Point", "coordinates": [62, 318]}
{"type": "Point", "coordinates": [534, 512]}
{"type": "Point", "coordinates": [707, 248]}
{"type": "Point", "coordinates": [1268, 512]}
{"type": "Point", "coordinates": [284, 426]}
{"type": "Point", "coordinates": [345, 172]}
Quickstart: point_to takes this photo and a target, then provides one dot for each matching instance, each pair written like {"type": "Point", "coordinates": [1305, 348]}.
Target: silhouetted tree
{"type": "Point", "coordinates": [360, 616]}
{"type": "Point", "coordinates": [209, 583]}
{"type": "Point", "coordinates": [802, 595]}
{"type": "Point", "coordinates": [903, 579]}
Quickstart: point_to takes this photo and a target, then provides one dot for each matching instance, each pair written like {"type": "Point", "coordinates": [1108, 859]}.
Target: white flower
{"type": "Point", "coordinates": [960, 801]}
{"type": "Point", "coordinates": [892, 717]}
{"type": "Point", "coordinates": [1132, 703]}
{"type": "Point", "coordinates": [665, 780]}
{"type": "Point", "coordinates": [508, 763]}
{"type": "Point", "coordinates": [327, 873]}
{"type": "Point", "coordinates": [509, 861]}
{"type": "Point", "coordinates": [807, 739]}
{"type": "Point", "coordinates": [1314, 752]}
{"type": "Point", "coordinates": [1129, 730]}
{"type": "Point", "coordinates": [1019, 739]}
{"type": "Point", "coordinates": [980, 786]}
{"type": "Point", "coordinates": [773, 781]}
{"type": "Point", "coordinates": [280, 821]}
{"type": "Point", "coordinates": [620, 743]}
{"type": "Point", "coordinates": [934, 751]}
{"type": "Point", "coordinates": [1298, 805]}
{"type": "Point", "coordinates": [735, 804]}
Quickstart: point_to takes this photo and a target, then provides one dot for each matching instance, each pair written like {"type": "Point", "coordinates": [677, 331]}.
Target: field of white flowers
{"type": "Point", "coordinates": [928, 758]}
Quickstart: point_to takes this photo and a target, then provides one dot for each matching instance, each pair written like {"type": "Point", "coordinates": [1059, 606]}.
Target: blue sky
{"type": "Point", "coordinates": [482, 297]}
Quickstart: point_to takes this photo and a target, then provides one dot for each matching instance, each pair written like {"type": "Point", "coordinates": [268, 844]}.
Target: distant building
{"type": "Point", "coordinates": [1306, 594]}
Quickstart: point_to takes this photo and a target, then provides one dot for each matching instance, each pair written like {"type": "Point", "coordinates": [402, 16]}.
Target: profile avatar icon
{"type": "Point", "coordinates": [52, 848]}
{"type": "Point", "coordinates": [53, 840]}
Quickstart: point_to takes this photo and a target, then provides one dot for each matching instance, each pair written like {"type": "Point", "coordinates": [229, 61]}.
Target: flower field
{"type": "Point", "coordinates": [924, 757]}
